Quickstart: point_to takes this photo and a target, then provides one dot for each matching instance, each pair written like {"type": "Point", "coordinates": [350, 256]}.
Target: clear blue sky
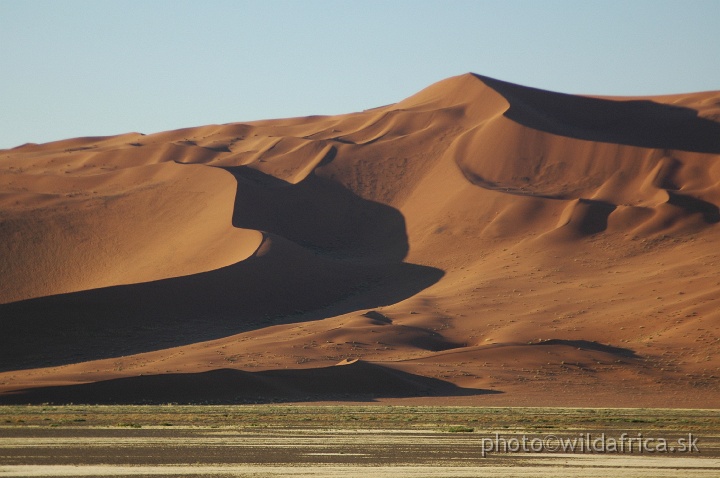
{"type": "Point", "coordinates": [84, 68]}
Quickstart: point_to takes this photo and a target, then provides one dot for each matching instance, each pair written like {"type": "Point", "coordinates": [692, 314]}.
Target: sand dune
{"type": "Point", "coordinates": [560, 249]}
{"type": "Point", "coordinates": [355, 381]}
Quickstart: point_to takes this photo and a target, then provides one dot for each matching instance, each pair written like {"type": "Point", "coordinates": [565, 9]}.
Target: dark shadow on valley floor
{"type": "Point", "coordinates": [359, 381]}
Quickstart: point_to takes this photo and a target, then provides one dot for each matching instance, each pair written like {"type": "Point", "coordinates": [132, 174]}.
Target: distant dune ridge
{"type": "Point", "coordinates": [479, 242]}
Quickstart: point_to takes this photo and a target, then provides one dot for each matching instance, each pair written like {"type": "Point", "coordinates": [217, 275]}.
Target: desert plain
{"type": "Point", "coordinates": [354, 441]}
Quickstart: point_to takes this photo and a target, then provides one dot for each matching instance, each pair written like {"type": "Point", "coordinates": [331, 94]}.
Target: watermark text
{"type": "Point", "coordinates": [588, 443]}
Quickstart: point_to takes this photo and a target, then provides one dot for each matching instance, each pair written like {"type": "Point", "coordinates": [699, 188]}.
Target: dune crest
{"type": "Point", "coordinates": [552, 247]}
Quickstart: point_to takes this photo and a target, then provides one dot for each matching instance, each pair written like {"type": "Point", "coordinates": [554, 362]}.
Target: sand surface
{"type": "Point", "coordinates": [476, 243]}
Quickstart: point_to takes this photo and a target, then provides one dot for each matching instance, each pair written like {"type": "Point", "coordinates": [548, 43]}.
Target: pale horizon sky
{"type": "Point", "coordinates": [93, 68]}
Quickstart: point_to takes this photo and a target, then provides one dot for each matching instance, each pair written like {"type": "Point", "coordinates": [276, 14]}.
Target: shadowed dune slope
{"type": "Point", "coordinates": [281, 282]}
{"type": "Point", "coordinates": [427, 234]}
{"type": "Point", "coordinates": [643, 123]}
{"type": "Point", "coordinates": [358, 381]}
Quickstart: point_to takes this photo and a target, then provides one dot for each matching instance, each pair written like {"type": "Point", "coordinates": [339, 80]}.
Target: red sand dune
{"type": "Point", "coordinates": [477, 243]}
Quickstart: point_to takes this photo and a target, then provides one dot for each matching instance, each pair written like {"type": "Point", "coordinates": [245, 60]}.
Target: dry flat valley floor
{"type": "Point", "coordinates": [345, 441]}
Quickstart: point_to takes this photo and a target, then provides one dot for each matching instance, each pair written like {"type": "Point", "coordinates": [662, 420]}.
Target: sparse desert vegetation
{"type": "Point", "coordinates": [340, 440]}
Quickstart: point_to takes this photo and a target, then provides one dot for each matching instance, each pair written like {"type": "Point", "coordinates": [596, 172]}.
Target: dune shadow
{"type": "Point", "coordinates": [592, 216]}
{"type": "Point", "coordinates": [125, 320]}
{"type": "Point", "coordinates": [311, 270]}
{"type": "Point", "coordinates": [709, 211]}
{"type": "Point", "coordinates": [359, 381]}
{"type": "Point", "coordinates": [318, 214]}
{"type": "Point", "coordinates": [641, 123]}
{"type": "Point", "coordinates": [590, 345]}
